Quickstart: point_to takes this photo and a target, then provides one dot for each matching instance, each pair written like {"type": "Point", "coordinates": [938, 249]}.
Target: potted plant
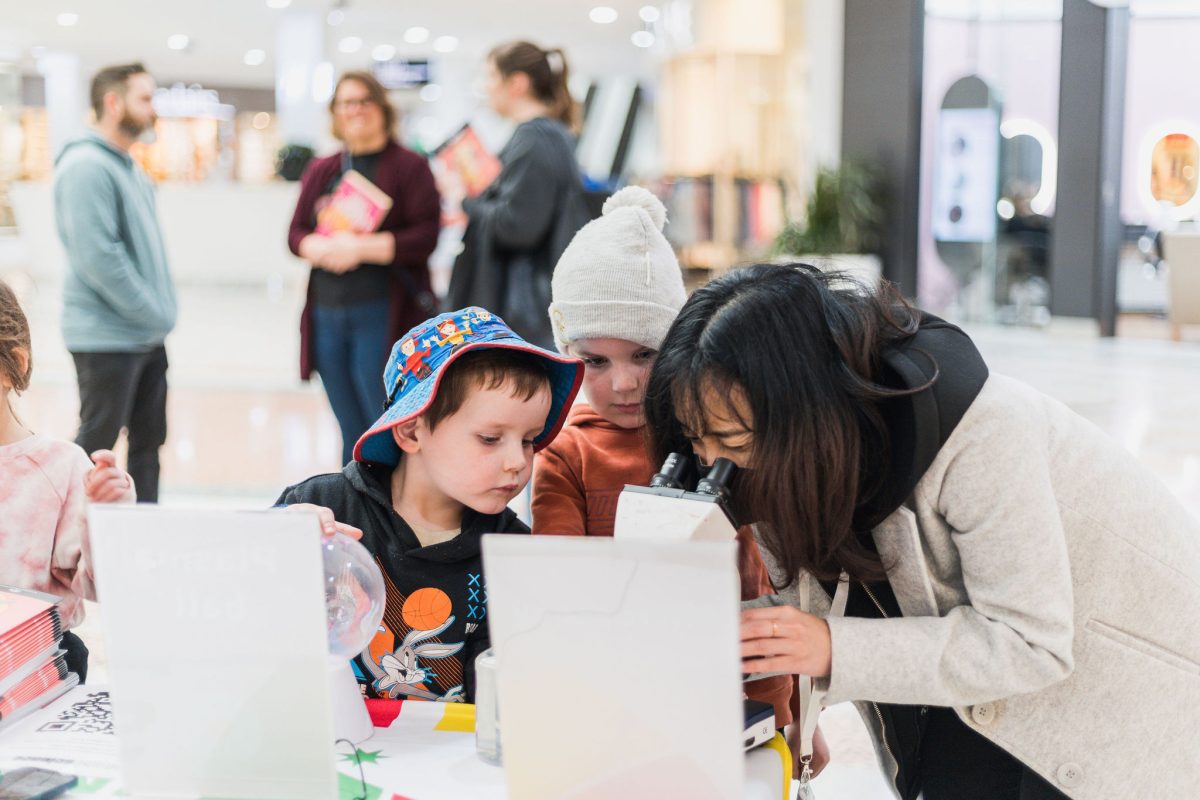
{"type": "Point", "coordinates": [843, 223]}
{"type": "Point", "coordinates": [291, 160]}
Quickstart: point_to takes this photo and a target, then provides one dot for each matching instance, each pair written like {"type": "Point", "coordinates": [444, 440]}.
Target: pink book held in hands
{"type": "Point", "coordinates": [356, 206]}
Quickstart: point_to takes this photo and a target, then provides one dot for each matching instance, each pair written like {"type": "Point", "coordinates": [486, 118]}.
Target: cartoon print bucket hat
{"type": "Point", "coordinates": [420, 357]}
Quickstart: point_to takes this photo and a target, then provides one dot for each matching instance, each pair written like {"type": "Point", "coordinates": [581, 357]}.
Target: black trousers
{"type": "Point", "coordinates": [125, 390]}
{"type": "Point", "coordinates": [958, 763]}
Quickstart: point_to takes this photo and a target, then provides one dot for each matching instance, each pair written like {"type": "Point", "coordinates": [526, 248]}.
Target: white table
{"type": "Point", "coordinates": [427, 751]}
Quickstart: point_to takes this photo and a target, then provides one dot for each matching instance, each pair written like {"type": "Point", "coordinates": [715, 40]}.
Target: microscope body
{"type": "Point", "coordinates": [667, 511]}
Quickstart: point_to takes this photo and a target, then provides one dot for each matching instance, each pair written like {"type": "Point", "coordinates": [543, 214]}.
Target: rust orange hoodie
{"type": "Point", "coordinates": [576, 482]}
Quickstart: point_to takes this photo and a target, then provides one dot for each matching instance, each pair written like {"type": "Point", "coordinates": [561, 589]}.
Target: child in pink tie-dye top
{"type": "Point", "coordinates": [44, 488]}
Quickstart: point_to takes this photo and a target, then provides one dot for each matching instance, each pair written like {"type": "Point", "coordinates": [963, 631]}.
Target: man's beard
{"type": "Point", "coordinates": [132, 127]}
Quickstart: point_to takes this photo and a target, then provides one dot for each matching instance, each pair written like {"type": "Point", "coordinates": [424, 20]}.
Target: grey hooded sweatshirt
{"type": "Point", "coordinates": [118, 295]}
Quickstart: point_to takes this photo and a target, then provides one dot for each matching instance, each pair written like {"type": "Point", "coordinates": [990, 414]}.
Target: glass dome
{"type": "Point", "coordinates": [354, 595]}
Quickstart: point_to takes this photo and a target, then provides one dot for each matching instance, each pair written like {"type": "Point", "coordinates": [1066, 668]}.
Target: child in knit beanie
{"type": "Point", "coordinates": [616, 290]}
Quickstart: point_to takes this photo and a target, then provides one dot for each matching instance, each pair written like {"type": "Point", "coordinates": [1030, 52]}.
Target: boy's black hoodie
{"type": "Point", "coordinates": [435, 622]}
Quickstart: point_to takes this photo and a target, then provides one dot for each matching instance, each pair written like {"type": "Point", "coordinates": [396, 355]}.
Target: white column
{"type": "Point", "coordinates": [66, 98]}
{"type": "Point", "coordinates": [825, 30]}
{"type": "Point", "coordinates": [302, 82]}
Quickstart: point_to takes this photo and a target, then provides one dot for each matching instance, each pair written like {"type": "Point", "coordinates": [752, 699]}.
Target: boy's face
{"type": "Point", "coordinates": [482, 455]}
{"type": "Point", "coordinates": [614, 378]}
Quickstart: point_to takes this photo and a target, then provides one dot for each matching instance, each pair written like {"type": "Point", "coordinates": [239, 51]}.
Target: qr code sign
{"type": "Point", "coordinates": [93, 714]}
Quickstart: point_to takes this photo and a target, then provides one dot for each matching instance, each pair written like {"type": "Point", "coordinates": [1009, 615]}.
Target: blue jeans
{"type": "Point", "coordinates": [350, 349]}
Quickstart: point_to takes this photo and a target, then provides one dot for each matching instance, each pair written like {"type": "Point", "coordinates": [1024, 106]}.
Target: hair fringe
{"type": "Point", "coordinates": [820, 442]}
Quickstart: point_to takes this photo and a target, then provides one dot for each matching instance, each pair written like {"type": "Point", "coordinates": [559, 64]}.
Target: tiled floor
{"type": "Point", "coordinates": [242, 426]}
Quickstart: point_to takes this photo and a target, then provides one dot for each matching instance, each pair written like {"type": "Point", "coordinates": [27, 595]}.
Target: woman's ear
{"type": "Point", "coordinates": [11, 382]}
{"type": "Point", "coordinates": [22, 357]}
{"type": "Point", "coordinates": [519, 84]}
{"type": "Point", "coordinates": [406, 437]}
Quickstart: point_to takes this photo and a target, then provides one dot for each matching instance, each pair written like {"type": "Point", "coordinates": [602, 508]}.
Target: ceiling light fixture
{"type": "Point", "coordinates": [642, 38]}
{"type": "Point", "coordinates": [254, 57]}
{"type": "Point", "coordinates": [336, 17]}
{"type": "Point", "coordinates": [383, 52]}
{"type": "Point", "coordinates": [351, 44]}
{"type": "Point", "coordinates": [649, 13]}
{"type": "Point", "coordinates": [67, 19]}
{"type": "Point", "coordinates": [603, 15]}
{"type": "Point", "coordinates": [445, 44]}
{"type": "Point", "coordinates": [277, 4]}
{"type": "Point", "coordinates": [178, 41]}
{"type": "Point", "coordinates": [416, 35]}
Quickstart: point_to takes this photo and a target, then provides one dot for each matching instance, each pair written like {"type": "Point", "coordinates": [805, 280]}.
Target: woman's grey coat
{"type": "Point", "coordinates": [1051, 594]}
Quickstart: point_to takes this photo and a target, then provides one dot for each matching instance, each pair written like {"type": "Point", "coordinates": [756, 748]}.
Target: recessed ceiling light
{"type": "Point", "coordinates": [67, 19]}
{"type": "Point", "coordinates": [254, 57]}
{"type": "Point", "coordinates": [430, 92]}
{"type": "Point", "coordinates": [178, 41]}
{"type": "Point", "coordinates": [649, 13]}
{"type": "Point", "coordinates": [278, 3]}
{"type": "Point", "coordinates": [416, 35]}
{"type": "Point", "coordinates": [351, 44]}
{"type": "Point", "coordinates": [336, 17]}
{"type": "Point", "coordinates": [445, 44]}
{"type": "Point", "coordinates": [261, 120]}
{"type": "Point", "coordinates": [642, 38]}
{"type": "Point", "coordinates": [383, 52]}
{"type": "Point", "coordinates": [603, 15]}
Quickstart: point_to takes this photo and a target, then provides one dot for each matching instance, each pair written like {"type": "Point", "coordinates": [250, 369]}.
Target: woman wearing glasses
{"type": "Point", "coordinates": [365, 288]}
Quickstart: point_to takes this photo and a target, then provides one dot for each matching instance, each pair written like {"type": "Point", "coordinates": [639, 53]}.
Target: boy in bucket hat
{"type": "Point", "coordinates": [468, 403]}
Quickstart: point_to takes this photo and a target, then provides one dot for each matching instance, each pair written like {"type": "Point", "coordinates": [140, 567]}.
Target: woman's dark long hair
{"type": "Point", "coordinates": [803, 347]}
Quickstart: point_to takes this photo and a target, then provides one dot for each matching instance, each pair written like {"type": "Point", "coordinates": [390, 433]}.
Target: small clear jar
{"type": "Point", "coordinates": [487, 716]}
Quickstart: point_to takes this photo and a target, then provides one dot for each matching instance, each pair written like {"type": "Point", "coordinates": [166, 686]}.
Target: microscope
{"type": "Point", "coordinates": [667, 510]}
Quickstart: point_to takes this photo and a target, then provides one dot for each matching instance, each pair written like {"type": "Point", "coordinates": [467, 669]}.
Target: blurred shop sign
{"type": "Point", "coordinates": [192, 102]}
{"type": "Point", "coordinates": [403, 73]}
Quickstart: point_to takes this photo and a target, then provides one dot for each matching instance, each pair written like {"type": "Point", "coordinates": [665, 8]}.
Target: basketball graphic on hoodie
{"type": "Point", "coordinates": [426, 609]}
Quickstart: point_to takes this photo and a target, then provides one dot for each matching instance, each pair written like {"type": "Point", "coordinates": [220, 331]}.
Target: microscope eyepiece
{"type": "Point", "coordinates": [673, 472]}
{"type": "Point", "coordinates": [716, 482]}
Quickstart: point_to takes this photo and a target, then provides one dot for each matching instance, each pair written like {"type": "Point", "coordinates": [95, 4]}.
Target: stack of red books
{"type": "Point", "coordinates": [33, 667]}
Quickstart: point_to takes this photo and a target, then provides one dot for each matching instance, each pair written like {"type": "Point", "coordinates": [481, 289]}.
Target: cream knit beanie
{"type": "Point", "coordinates": [618, 279]}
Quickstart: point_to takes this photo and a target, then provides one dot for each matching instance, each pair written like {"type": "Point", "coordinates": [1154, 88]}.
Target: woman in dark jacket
{"type": "Point", "coordinates": [365, 289]}
{"type": "Point", "coordinates": [519, 226]}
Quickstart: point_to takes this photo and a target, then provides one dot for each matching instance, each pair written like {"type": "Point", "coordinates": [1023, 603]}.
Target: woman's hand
{"type": "Point", "coordinates": [329, 525]}
{"type": "Point", "coordinates": [106, 482]}
{"type": "Point", "coordinates": [314, 248]}
{"type": "Point", "coordinates": [785, 639]}
{"type": "Point", "coordinates": [343, 253]}
{"type": "Point", "coordinates": [451, 186]}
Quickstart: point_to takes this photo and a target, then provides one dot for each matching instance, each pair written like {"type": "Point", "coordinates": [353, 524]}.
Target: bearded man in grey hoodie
{"type": "Point", "coordinates": [118, 294]}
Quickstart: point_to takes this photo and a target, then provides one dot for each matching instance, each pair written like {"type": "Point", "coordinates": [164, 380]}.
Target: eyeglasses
{"type": "Point", "coordinates": [350, 105]}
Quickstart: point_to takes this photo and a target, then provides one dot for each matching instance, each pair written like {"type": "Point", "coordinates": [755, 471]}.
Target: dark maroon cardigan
{"type": "Point", "coordinates": [414, 220]}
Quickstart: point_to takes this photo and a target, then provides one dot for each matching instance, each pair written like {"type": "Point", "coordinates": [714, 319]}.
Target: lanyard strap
{"type": "Point", "coordinates": [810, 696]}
